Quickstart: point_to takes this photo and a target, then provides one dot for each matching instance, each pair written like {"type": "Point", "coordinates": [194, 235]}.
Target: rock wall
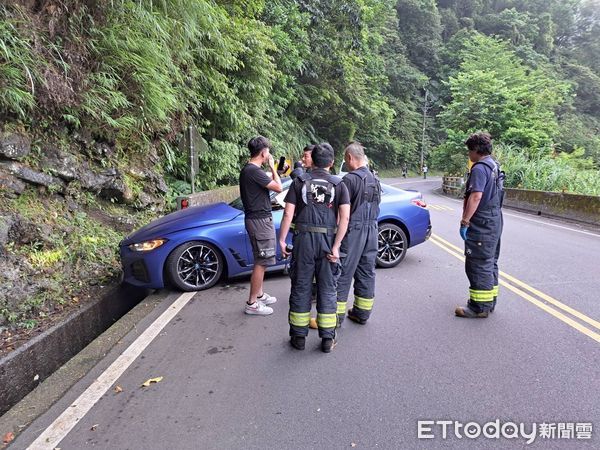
{"type": "Point", "coordinates": [58, 176]}
{"type": "Point", "coordinates": [83, 166]}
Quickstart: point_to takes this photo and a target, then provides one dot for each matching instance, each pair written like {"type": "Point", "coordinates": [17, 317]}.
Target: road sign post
{"type": "Point", "coordinates": [193, 144]}
{"type": "Point", "coordinates": [193, 159]}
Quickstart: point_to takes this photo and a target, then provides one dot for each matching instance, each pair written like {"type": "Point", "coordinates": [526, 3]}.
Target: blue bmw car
{"type": "Point", "coordinates": [192, 249]}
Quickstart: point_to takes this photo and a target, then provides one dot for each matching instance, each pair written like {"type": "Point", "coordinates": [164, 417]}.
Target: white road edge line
{"type": "Point", "coordinates": [64, 423]}
{"type": "Point", "coordinates": [552, 225]}
{"type": "Point", "coordinates": [518, 216]}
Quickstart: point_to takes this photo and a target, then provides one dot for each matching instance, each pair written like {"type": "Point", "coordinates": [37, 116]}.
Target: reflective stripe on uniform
{"type": "Point", "coordinates": [366, 304]}
{"type": "Point", "coordinates": [299, 319]}
{"type": "Point", "coordinates": [495, 291]}
{"type": "Point", "coordinates": [481, 296]}
{"type": "Point", "coordinates": [326, 320]}
{"type": "Point", "coordinates": [341, 307]}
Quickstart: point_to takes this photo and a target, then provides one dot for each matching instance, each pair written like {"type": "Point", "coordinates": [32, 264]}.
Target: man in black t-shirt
{"type": "Point", "coordinates": [298, 170]}
{"type": "Point", "coordinates": [306, 164]}
{"type": "Point", "coordinates": [255, 185]}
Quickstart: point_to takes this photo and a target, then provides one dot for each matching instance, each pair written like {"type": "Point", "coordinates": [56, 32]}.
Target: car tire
{"type": "Point", "coordinates": [391, 245]}
{"type": "Point", "coordinates": [194, 266]}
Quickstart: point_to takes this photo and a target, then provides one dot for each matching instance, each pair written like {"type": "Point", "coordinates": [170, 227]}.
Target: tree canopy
{"type": "Point", "coordinates": [137, 73]}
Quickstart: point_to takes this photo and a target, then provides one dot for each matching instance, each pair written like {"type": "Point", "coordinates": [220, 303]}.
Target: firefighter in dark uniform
{"type": "Point", "coordinates": [481, 227]}
{"type": "Point", "coordinates": [319, 206]}
{"type": "Point", "coordinates": [361, 241]}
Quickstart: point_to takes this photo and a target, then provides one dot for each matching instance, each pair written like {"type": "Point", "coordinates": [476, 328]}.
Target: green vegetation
{"type": "Point", "coordinates": [554, 172]}
{"type": "Point", "coordinates": [405, 77]}
{"type": "Point", "coordinates": [67, 251]}
{"type": "Point", "coordinates": [137, 73]}
{"type": "Point", "coordinates": [494, 91]}
{"type": "Point", "coordinates": [516, 69]}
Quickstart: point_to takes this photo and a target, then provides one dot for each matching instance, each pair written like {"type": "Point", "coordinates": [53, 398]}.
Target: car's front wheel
{"type": "Point", "coordinates": [194, 266]}
{"type": "Point", "coordinates": [392, 244]}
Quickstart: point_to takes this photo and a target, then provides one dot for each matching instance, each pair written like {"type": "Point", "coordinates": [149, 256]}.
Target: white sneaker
{"type": "Point", "coordinates": [266, 299]}
{"type": "Point", "coordinates": [258, 308]}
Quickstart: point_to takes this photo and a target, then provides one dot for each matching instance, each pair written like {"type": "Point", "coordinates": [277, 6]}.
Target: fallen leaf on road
{"type": "Point", "coordinates": [118, 389]}
{"type": "Point", "coordinates": [8, 437]}
{"type": "Point", "coordinates": [94, 427]}
{"type": "Point", "coordinates": [353, 444]}
{"type": "Point", "coordinates": [152, 380]}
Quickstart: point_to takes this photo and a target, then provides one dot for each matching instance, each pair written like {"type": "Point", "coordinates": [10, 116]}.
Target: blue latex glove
{"type": "Point", "coordinates": [463, 232]}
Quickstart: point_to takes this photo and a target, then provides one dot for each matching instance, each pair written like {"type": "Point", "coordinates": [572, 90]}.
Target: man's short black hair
{"type": "Point", "coordinates": [322, 155]}
{"type": "Point", "coordinates": [256, 144]}
{"type": "Point", "coordinates": [309, 148]}
{"type": "Point", "coordinates": [480, 142]}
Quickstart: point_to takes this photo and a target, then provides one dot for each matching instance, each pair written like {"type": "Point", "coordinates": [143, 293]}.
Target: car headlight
{"type": "Point", "coordinates": [146, 246]}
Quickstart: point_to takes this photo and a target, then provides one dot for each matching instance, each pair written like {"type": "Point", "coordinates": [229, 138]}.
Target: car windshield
{"type": "Point", "coordinates": [276, 199]}
{"type": "Point", "coordinates": [237, 204]}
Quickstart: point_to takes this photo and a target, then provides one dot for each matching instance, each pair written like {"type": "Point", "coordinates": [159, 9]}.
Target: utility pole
{"type": "Point", "coordinates": [193, 156]}
{"type": "Point", "coordinates": [425, 109]}
{"type": "Point", "coordinates": [192, 144]}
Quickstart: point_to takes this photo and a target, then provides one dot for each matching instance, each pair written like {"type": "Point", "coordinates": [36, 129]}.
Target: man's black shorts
{"type": "Point", "coordinates": [261, 233]}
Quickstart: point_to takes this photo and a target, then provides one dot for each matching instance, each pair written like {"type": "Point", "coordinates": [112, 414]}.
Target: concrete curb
{"type": "Point", "coordinates": [26, 367]}
{"type": "Point", "coordinates": [225, 194]}
{"type": "Point", "coordinates": [580, 208]}
{"type": "Point", "coordinates": [22, 370]}
{"type": "Point", "coordinates": [583, 209]}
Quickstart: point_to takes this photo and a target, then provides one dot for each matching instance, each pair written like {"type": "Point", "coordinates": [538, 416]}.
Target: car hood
{"type": "Point", "coordinates": [196, 216]}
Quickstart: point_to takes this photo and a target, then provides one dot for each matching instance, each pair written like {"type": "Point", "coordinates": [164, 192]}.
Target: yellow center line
{"type": "Point", "coordinates": [439, 207]}
{"type": "Point", "coordinates": [534, 291]}
{"type": "Point", "coordinates": [450, 248]}
{"type": "Point", "coordinates": [595, 336]}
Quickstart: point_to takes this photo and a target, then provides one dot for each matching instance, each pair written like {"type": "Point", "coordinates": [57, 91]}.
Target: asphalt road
{"type": "Point", "coordinates": [233, 381]}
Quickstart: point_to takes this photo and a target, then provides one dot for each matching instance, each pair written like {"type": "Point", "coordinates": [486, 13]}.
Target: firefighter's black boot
{"type": "Point", "coordinates": [465, 311]}
{"type": "Point", "coordinates": [493, 305]}
{"type": "Point", "coordinates": [298, 342]}
{"type": "Point", "coordinates": [327, 344]}
{"type": "Point", "coordinates": [354, 318]}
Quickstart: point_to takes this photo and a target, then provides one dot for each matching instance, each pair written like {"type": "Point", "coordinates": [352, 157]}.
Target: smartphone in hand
{"type": "Point", "coordinates": [281, 165]}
